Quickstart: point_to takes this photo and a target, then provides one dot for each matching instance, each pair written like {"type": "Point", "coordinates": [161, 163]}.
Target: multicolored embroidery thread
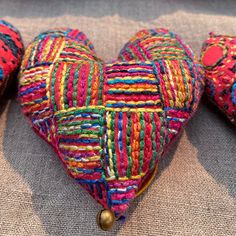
{"type": "Point", "coordinates": [218, 57]}
{"type": "Point", "coordinates": [11, 49]}
{"type": "Point", "coordinates": [109, 122]}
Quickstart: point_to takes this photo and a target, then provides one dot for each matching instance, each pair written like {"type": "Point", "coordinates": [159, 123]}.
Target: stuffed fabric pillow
{"type": "Point", "coordinates": [219, 60]}
{"type": "Point", "coordinates": [109, 123]}
{"type": "Point", "coordinates": [11, 49]}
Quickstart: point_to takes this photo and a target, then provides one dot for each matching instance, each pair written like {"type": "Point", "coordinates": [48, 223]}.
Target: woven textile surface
{"type": "Point", "coordinates": [194, 192]}
{"type": "Point", "coordinates": [109, 122]}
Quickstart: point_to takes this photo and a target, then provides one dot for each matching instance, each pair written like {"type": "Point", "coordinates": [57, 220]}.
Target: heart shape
{"type": "Point", "coordinates": [11, 49]}
{"type": "Point", "coordinates": [109, 122]}
{"type": "Point", "coordinates": [218, 57]}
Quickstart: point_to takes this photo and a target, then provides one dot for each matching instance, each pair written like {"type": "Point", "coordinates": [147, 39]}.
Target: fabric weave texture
{"type": "Point", "coordinates": [109, 122]}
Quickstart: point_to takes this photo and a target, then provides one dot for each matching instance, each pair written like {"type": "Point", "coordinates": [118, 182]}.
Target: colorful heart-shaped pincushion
{"type": "Point", "coordinates": [11, 49]}
{"type": "Point", "coordinates": [109, 122]}
{"type": "Point", "coordinates": [218, 57]}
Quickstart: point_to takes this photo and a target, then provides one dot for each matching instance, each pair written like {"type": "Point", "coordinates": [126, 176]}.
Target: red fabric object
{"type": "Point", "coordinates": [218, 57]}
{"type": "Point", "coordinates": [11, 50]}
{"type": "Point", "coordinates": [213, 55]}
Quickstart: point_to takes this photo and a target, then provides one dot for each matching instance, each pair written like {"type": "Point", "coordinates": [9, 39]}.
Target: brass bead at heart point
{"type": "Point", "coordinates": [105, 219]}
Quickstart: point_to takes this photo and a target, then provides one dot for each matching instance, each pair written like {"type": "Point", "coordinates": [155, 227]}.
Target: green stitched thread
{"type": "Point", "coordinates": [100, 88]}
{"type": "Point", "coordinates": [75, 85]}
{"type": "Point", "coordinates": [90, 78]}
{"type": "Point", "coordinates": [113, 143]}
{"type": "Point", "coordinates": [142, 122]}
{"type": "Point", "coordinates": [128, 136]}
{"type": "Point", "coordinates": [53, 86]}
{"type": "Point", "coordinates": [154, 131]}
{"type": "Point", "coordinates": [67, 75]}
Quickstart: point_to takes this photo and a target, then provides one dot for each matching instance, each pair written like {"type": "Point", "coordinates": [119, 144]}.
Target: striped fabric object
{"type": "Point", "coordinates": [11, 49]}
{"type": "Point", "coordinates": [218, 57]}
{"type": "Point", "coordinates": [109, 123]}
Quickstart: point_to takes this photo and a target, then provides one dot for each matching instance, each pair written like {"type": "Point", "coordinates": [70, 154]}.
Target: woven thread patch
{"type": "Point", "coordinates": [109, 123]}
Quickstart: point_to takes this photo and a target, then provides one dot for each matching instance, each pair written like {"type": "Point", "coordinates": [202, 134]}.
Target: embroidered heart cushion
{"type": "Point", "coordinates": [218, 57]}
{"type": "Point", "coordinates": [109, 122]}
{"type": "Point", "coordinates": [11, 49]}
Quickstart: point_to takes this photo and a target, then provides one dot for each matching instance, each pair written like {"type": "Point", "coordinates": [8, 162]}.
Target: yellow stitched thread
{"type": "Point", "coordinates": [38, 105]}
{"type": "Point", "coordinates": [81, 148]}
{"type": "Point", "coordinates": [133, 103]}
{"type": "Point", "coordinates": [180, 79]}
{"type": "Point", "coordinates": [80, 55]}
{"type": "Point", "coordinates": [79, 109]}
{"type": "Point", "coordinates": [189, 82]}
{"type": "Point", "coordinates": [171, 83]}
{"type": "Point", "coordinates": [88, 136]}
{"type": "Point", "coordinates": [94, 91]}
{"type": "Point", "coordinates": [177, 83]}
{"type": "Point", "coordinates": [48, 77]}
{"type": "Point", "coordinates": [26, 57]}
{"type": "Point", "coordinates": [87, 159]}
{"type": "Point", "coordinates": [62, 82]}
{"type": "Point", "coordinates": [32, 78]}
{"type": "Point", "coordinates": [134, 177]}
{"type": "Point", "coordinates": [46, 50]}
{"type": "Point", "coordinates": [125, 109]}
{"type": "Point", "coordinates": [34, 53]}
{"type": "Point", "coordinates": [154, 89]}
{"type": "Point", "coordinates": [151, 77]}
{"type": "Point", "coordinates": [167, 85]}
{"type": "Point", "coordinates": [58, 47]}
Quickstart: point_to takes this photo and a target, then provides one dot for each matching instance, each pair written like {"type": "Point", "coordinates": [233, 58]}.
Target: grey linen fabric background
{"type": "Point", "coordinates": [195, 190]}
